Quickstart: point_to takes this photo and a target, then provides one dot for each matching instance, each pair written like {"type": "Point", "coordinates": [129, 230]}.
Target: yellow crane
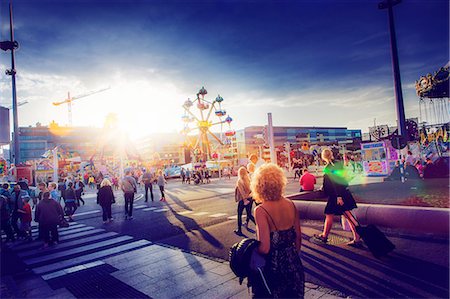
{"type": "Point", "coordinates": [70, 99]}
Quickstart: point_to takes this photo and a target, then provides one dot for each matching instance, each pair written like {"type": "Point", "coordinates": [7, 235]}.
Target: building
{"type": "Point", "coordinates": [254, 139]}
{"type": "Point", "coordinates": [35, 141]}
{"type": "Point", "coordinates": [164, 147]}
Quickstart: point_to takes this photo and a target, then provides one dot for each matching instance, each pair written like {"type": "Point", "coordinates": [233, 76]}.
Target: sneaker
{"type": "Point", "coordinates": [130, 218]}
{"type": "Point", "coordinates": [238, 232]}
{"type": "Point", "coordinates": [111, 219]}
{"type": "Point", "coordinates": [104, 222]}
{"type": "Point", "coordinates": [318, 239]}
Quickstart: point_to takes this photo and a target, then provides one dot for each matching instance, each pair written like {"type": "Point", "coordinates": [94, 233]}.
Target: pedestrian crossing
{"type": "Point", "coordinates": [145, 208]}
{"type": "Point", "coordinates": [80, 247]}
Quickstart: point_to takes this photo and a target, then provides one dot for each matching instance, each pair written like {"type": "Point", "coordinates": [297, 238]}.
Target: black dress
{"type": "Point", "coordinates": [283, 265]}
{"type": "Point", "coordinates": [335, 185]}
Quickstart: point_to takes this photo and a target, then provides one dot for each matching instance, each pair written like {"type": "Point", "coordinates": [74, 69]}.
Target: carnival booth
{"type": "Point", "coordinates": [378, 158]}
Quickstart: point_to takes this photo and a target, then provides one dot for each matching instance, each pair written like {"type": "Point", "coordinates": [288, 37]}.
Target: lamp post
{"type": "Point", "coordinates": [12, 45]}
{"type": "Point", "coordinates": [401, 123]}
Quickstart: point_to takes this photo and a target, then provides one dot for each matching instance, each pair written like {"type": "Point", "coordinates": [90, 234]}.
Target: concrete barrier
{"type": "Point", "coordinates": [405, 218]}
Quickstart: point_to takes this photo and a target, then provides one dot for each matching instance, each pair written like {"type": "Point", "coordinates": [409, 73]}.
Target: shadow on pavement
{"type": "Point", "coordinates": [356, 272]}
{"type": "Point", "coordinates": [191, 225]}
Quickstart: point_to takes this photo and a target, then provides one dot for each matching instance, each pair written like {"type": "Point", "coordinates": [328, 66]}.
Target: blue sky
{"type": "Point", "coordinates": [311, 63]}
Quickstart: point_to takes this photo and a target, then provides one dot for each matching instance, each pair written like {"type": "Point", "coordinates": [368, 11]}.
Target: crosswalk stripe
{"type": "Point", "coordinates": [63, 245]}
{"type": "Point", "coordinates": [76, 230]}
{"type": "Point", "coordinates": [161, 210]}
{"type": "Point", "coordinates": [76, 250]}
{"type": "Point", "coordinates": [91, 257]}
{"type": "Point", "coordinates": [87, 213]}
{"type": "Point", "coordinates": [218, 215]}
{"type": "Point", "coordinates": [61, 229]}
{"type": "Point", "coordinates": [72, 270]}
{"type": "Point", "coordinates": [185, 212]}
{"type": "Point", "coordinates": [139, 207]}
{"type": "Point", "coordinates": [232, 217]}
{"type": "Point", "coordinates": [200, 213]}
{"type": "Point", "coordinates": [28, 246]}
{"type": "Point", "coordinates": [149, 209]}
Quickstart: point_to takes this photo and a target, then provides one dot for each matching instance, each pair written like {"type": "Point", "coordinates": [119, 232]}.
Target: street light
{"type": "Point", "coordinates": [13, 45]}
{"type": "Point", "coordinates": [401, 123]}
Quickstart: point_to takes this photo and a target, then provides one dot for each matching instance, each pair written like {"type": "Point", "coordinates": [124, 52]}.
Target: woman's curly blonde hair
{"type": "Point", "coordinates": [268, 183]}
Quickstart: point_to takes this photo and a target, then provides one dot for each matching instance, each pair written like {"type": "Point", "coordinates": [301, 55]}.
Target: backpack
{"type": "Point", "coordinates": [239, 256]}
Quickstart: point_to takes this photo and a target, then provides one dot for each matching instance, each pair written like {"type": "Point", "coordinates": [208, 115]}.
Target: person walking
{"type": "Point", "coordinates": [161, 181]}
{"type": "Point", "coordinates": [129, 187]}
{"type": "Point", "coordinates": [242, 196]}
{"type": "Point", "coordinates": [279, 233]}
{"type": "Point", "coordinates": [49, 214]}
{"type": "Point", "coordinates": [5, 212]}
{"type": "Point", "coordinates": [105, 198]}
{"type": "Point", "coordinates": [188, 176]}
{"type": "Point", "coordinates": [17, 199]}
{"type": "Point", "coordinates": [70, 201]}
{"type": "Point", "coordinates": [340, 200]}
{"type": "Point", "coordinates": [183, 175]}
{"type": "Point", "coordinates": [79, 187]}
{"type": "Point", "coordinates": [147, 179]}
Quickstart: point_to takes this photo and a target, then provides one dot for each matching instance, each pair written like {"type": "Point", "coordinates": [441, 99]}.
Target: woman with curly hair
{"type": "Point", "coordinates": [278, 230]}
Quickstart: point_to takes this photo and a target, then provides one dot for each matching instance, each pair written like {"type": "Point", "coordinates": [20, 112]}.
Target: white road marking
{"type": "Point", "coordinates": [200, 213]}
{"type": "Point", "coordinates": [161, 210]}
{"type": "Point", "coordinates": [185, 212]}
{"type": "Point", "coordinates": [87, 213]}
{"type": "Point", "coordinates": [218, 215]}
{"type": "Point", "coordinates": [149, 209]}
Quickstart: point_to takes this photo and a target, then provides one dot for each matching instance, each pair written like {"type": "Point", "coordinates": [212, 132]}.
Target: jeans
{"type": "Point", "coordinates": [46, 230]}
{"type": "Point", "coordinates": [6, 227]}
{"type": "Point", "coordinates": [248, 210]}
{"type": "Point", "coordinates": [14, 219]}
{"type": "Point", "coordinates": [147, 187]}
{"type": "Point", "coordinates": [70, 208]}
{"type": "Point", "coordinates": [129, 199]}
{"type": "Point", "coordinates": [161, 188]}
{"type": "Point", "coordinates": [106, 212]}
{"type": "Point", "coordinates": [78, 195]}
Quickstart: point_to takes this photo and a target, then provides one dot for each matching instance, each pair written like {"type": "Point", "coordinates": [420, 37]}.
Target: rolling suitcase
{"type": "Point", "coordinates": [374, 239]}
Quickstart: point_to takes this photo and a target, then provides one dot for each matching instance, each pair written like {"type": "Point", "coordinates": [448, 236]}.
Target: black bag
{"type": "Point", "coordinates": [239, 256]}
{"type": "Point", "coordinates": [374, 239]}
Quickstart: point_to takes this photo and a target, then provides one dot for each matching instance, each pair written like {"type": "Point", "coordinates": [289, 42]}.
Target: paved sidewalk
{"type": "Point", "coordinates": [154, 271]}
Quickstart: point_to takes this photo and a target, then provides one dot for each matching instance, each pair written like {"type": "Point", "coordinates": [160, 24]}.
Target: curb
{"type": "Point", "coordinates": [411, 219]}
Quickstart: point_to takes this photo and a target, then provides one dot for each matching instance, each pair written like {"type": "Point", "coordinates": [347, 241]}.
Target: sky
{"type": "Point", "coordinates": [309, 63]}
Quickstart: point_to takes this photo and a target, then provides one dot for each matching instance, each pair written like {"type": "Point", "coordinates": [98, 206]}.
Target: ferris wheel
{"type": "Point", "coordinates": [199, 117]}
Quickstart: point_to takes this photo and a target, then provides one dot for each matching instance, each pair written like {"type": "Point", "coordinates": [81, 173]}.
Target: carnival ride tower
{"type": "Point", "coordinates": [198, 116]}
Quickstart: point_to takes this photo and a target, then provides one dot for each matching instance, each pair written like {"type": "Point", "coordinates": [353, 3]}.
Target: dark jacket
{"type": "Point", "coordinates": [48, 212]}
{"type": "Point", "coordinates": [105, 196]}
{"type": "Point", "coordinates": [334, 180]}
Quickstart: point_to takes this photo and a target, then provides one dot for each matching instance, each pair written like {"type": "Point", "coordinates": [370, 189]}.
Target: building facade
{"type": "Point", "coordinates": [254, 139]}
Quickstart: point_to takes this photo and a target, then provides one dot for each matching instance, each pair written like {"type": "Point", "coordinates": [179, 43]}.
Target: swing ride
{"type": "Point", "coordinates": [434, 110]}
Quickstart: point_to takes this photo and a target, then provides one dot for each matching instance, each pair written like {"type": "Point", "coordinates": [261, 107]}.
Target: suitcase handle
{"type": "Point", "coordinates": [350, 217]}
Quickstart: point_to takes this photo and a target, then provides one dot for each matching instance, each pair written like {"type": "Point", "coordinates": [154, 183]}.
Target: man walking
{"type": "Point", "coordinates": [129, 187]}
{"type": "Point", "coordinates": [147, 179]}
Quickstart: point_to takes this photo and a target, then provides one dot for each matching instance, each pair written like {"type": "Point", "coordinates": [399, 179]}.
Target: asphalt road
{"type": "Point", "coordinates": [201, 219]}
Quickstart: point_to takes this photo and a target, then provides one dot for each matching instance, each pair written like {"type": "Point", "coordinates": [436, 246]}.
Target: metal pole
{"type": "Point", "coordinates": [55, 164]}
{"type": "Point", "coordinates": [14, 95]}
{"type": "Point", "coordinates": [401, 123]}
{"type": "Point", "coordinates": [273, 157]}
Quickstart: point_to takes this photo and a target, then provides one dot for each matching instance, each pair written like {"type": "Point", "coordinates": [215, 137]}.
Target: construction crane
{"type": "Point", "coordinates": [69, 101]}
{"type": "Point", "coordinates": [18, 104]}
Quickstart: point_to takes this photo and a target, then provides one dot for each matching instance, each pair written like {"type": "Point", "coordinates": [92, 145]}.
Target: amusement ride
{"type": "Point", "coordinates": [199, 117]}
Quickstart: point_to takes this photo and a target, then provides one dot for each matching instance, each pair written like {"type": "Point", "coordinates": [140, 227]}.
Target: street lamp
{"type": "Point", "coordinates": [13, 45]}
{"type": "Point", "coordinates": [401, 123]}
